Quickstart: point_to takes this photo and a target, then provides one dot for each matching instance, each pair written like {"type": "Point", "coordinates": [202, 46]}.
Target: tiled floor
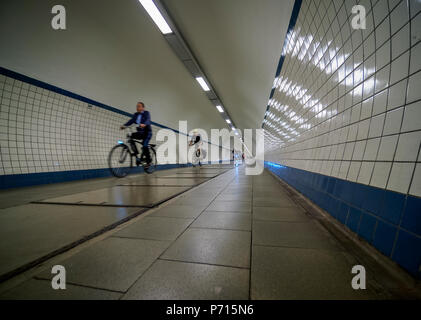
{"type": "Point", "coordinates": [37, 222]}
{"type": "Point", "coordinates": [236, 237]}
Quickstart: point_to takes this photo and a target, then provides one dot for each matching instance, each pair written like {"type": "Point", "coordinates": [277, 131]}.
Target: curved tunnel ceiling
{"type": "Point", "coordinates": [234, 41]}
{"type": "Point", "coordinates": [110, 52]}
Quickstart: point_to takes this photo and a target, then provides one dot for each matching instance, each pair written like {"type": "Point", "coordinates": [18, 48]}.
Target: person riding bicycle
{"type": "Point", "coordinates": [196, 141]}
{"type": "Point", "coordinates": [144, 131]}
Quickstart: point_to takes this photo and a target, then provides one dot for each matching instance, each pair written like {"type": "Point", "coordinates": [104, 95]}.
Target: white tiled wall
{"type": "Point", "coordinates": [43, 131]}
{"type": "Point", "coordinates": [347, 102]}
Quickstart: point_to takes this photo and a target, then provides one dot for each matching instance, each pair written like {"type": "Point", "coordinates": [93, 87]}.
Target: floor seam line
{"type": "Point", "coordinates": [204, 263]}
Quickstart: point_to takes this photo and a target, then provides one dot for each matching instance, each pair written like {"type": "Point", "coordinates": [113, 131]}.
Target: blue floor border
{"type": "Point", "coordinates": [388, 220]}
{"type": "Point", "coordinates": [32, 179]}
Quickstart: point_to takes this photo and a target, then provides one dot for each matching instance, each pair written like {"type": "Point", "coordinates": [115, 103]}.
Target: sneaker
{"type": "Point", "coordinates": [138, 161]}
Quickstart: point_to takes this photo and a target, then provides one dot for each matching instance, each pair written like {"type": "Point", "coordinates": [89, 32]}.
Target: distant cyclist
{"type": "Point", "coordinates": [142, 119]}
{"type": "Point", "coordinates": [196, 141]}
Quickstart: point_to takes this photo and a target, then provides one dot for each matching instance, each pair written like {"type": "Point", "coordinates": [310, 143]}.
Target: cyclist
{"type": "Point", "coordinates": [196, 141]}
{"type": "Point", "coordinates": [142, 118]}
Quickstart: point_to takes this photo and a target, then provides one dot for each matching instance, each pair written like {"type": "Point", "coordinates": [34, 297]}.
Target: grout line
{"type": "Point", "coordinates": [204, 263]}
{"type": "Point", "coordinates": [140, 238]}
{"type": "Point", "coordinates": [300, 248]}
{"type": "Point", "coordinates": [183, 232]}
{"type": "Point", "coordinates": [251, 237]}
{"type": "Point", "coordinates": [222, 229]}
{"type": "Point", "coordinates": [11, 274]}
{"type": "Point", "coordinates": [82, 285]}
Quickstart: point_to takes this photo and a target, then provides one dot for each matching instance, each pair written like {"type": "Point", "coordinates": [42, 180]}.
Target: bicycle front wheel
{"type": "Point", "coordinates": [120, 161]}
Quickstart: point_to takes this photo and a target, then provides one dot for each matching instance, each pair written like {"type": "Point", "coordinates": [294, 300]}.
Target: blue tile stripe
{"type": "Point", "coordinates": [388, 220]}
{"type": "Point", "coordinates": [292, 22]}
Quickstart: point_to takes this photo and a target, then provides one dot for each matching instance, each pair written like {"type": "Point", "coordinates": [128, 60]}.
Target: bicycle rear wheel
{"type": "Point", "coordinates": [152, 166]}
{"type": "Point", "coordinates": [120, 161]}
{"type": "Point", "coordinates": [195, 158]}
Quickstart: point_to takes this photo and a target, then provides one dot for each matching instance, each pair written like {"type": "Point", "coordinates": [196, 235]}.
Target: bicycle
{"type": "Point", "coordinates": [196, 157]}
{"type": "Point", "coordinates": [120, 158]}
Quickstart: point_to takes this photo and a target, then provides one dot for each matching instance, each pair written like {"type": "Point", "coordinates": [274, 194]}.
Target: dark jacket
{"type": "Point", "coordinates": [146, 119]}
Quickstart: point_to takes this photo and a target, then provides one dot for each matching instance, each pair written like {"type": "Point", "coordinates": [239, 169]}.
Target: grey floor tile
{"type": "Point", "coordinates": [273, 202]}
{"type": "Point", "coordinates": [122, 195]}
{"type": "Point", "coordinates": [212, 246]}
{"type": "Point", "coordinates": [268, 190]}
{"type": "Point", "coordinates": [238, 189]}
{"type": "Point", "coordinates": [292, 234]}
{"type": "Point", "coordinates": [197, 173]}
{"type": "Point", "coordinates": [164, 182]}
{"type": "Point", "coordinates": [233, 206]}
{"type": "Point", "coordinates": [31, 231]}
{"type": "Point", "coordinates": [179, 211]}
{"type": "Point", "coordinates": [267, 183]}
{"type": "Point", "coordinates": [248, 214]}
{"type": "Point", "coordinates": [234, 197]}
{"type": "Point", "coordinates": [193, 201]}
{"type": "Point", "coordinates": [203, 193]}
{"type": "Point", "coordinates": [171, 280]}
{"type": "Point", "coordinates": [291, 214]}
{"type": "Point", "coordinates": [113, 264]}
{"type": "Point", "coordinates": [224, 220]}
{"type": "Point", "coordinates": [155, 228]}
{"type": "Point", "coordinates": [207, 189]}
{"type": "Point", "coordinates": [190, 175]}
{"type": "Point", "coordinates": [270, 193]}
{"type": "Point", "coordinates": [34, 289]}
{"type": "Point", "coordinates": [288, 273]}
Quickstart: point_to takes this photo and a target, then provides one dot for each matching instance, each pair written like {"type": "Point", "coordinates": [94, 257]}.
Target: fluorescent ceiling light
{"type": "Point", "coordinates": [220, 109]}
{"type": "Point", "coordinates": [202, 83]}
{"type": "Point", "coordinates": [156, 16]}
{"type": "Point", "coordinates": [228, 121]}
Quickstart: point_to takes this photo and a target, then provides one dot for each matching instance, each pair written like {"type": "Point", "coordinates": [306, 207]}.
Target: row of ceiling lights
{"type": "Point", "coordinates": [163, 26]}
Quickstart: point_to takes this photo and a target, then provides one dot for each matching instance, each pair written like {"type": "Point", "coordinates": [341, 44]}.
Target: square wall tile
{"type": "Point", "coordinates": [407, 252]}
{"type": "Point", "coordinates": [384, 237]}
{"type": "Point", "coordinates": [411, 219]}
{"type": "Point", "coordinates": [393, 121]}
{"type": "Point", "coordinates": [408, 146]}
{"type": "Point", "coordinates": [387, 148]}
{"type": "Point", "coordinates": [400, 177]}
{"type": "Point", "coordinates": [412, 117]}
{"type": "Point", "coordinates": [380, 174]}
